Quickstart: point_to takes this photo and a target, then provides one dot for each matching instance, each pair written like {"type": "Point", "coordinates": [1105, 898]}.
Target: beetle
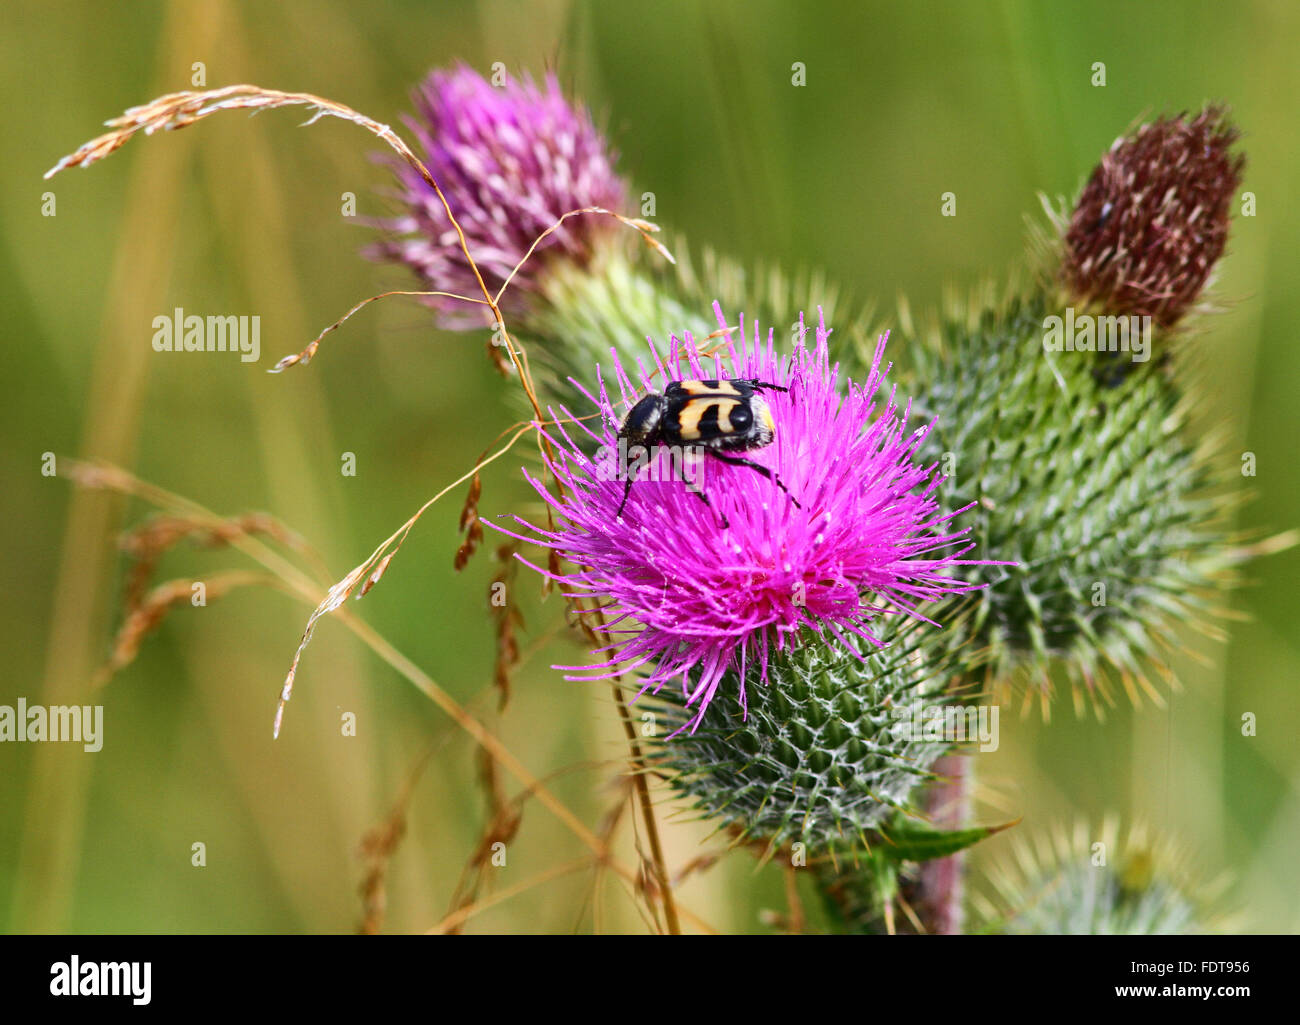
{"type": "Point", "coordinates": [716, 417]}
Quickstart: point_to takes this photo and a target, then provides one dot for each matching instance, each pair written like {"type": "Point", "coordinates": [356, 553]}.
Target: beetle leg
{"type": "Point", "coordinates": [627, 490]}
{"type": "Point", "coordinates": [691, 487]}
{"type": "Point", "coordinates": [759, 467]}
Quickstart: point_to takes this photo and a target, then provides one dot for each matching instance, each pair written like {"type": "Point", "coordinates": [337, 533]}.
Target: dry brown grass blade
{"type": "Point", "coordinates": [656, 859]}
{"type": "Point", "coordinates": [146, 544]}
{"type": "Point", "coordinates": [153, 608]}
{"type": "Point", "coordinates": [470, 524]}
{"type": "Point", "coordinates": [504, 819]}
{"type": "Point", "coordinates": [182, 109]}
{"type": "Point", "coordinates": [505, 816]}
{"type": "Point", "coordinates": [507, 619]}
{"type": "Point", "coordinates": [377, 848]}
{"type": "Point", "coordinates": [643, 227]}
{"type": "Point", "coordinates": [453, 922]}
{"type": "Point", "coordinates": [304, 357]}
{"type": "Point", "coordinates": [365, 575]}
{"type": "Point", "coordinates": [114, 478]}
{"type": "Point", "coordinates": [179, 110]}
{"type": "Point", "coordinates": [698, 864]}
{"type": "Point", "coordinates": [605, 828]}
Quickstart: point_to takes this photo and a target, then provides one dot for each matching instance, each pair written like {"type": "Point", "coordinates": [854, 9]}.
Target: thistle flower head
{"type": "Point", "coordinates": [848, 529]}
{"type": "Point", "coordinates": [511, 160]}
{"type": "Point", "coordinates": [1153, 219]}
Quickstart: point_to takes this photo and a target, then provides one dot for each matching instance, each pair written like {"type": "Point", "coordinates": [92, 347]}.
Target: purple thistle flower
{"type": "Point", "coordinates": [511, 161]}
{"type": "Point", "coordinates": [691, 597]}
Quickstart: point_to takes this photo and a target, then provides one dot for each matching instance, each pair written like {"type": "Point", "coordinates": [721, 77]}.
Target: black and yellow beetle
{"type": "Point", "coordinates": [714, 417]}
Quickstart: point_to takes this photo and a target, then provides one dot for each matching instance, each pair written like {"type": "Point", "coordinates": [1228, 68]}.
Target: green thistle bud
{"type": "Point", "coordinates": [1092, 490]}
{"type": "Point", "coordinates": [1103, 882]}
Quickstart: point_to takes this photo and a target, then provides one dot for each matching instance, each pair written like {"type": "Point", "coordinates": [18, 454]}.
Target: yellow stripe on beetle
{"type": "Point", "coordinates": [709, 388]}
{"type": "Point", "coordinates": [688, 420]}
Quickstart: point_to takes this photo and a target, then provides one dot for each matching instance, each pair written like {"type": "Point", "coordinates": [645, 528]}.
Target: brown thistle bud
{"type": "Point", "coordinates": [1153, 219]}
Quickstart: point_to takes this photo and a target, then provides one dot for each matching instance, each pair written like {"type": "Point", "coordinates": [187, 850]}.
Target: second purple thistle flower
{"type": "Point", "coordinates": [691, 589]}
{"type": "Point", "coordinates": [510, 160]}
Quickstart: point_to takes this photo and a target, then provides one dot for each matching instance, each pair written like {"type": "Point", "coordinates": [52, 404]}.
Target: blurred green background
{"type": "Point", "coordinates": [903, 102]}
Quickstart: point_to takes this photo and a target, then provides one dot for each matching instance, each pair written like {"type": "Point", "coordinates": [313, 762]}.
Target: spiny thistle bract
{"type": "Point", "coordinates": [841, 528]}
{"type": "Point", "coordinates": [1100, 882]}
{"type": "Point", "coordinates": [511, 160]}
{"type": "Point", "coordinates": [828, 749]}
{"type": "Point", "coordinates": [1106, 511]}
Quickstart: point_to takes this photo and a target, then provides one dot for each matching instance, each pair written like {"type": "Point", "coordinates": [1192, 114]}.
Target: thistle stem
{"type": "Point", "coordinates": [937, 897]}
